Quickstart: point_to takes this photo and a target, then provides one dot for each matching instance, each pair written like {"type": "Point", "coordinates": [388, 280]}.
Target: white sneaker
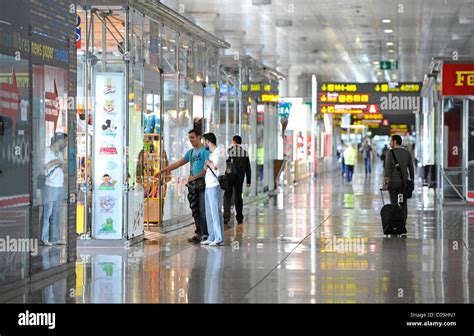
{"type": "Point", "coordinates": [216, 243]}
{"type": "Point", "coordinates": [59, 242]}
{"type": "Point", "coordinates": [206, 242]}
{"type": "Point", "coordinates": [46, 243]}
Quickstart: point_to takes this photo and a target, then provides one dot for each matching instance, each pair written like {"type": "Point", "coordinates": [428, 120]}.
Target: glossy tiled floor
{"type": "Point", "coordinates": [315, 242]}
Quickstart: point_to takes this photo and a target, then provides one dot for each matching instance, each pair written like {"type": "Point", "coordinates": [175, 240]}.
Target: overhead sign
{"type": "Point", "coordinates": [458, 79]}
{"type": "Point", "coordinates": [399, 129]}
{"type": "Point", "coordinates": [269, 98]}
{"type": "Point", "coordinates": [386, 98]}
{"type": "Point", "coordinates": [388, 65]}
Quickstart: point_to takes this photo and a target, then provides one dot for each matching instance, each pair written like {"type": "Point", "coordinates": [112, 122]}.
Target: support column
{"type": "Point", "coordinates": [234, 38]}
{"type": "Point", "coordinates": [254, 50]}
{"type": "Point", "coordinates": [283, 84]}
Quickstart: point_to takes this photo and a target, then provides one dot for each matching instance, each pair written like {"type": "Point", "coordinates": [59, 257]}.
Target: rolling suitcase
{"type": "Point", "coordinates": [392, 219]}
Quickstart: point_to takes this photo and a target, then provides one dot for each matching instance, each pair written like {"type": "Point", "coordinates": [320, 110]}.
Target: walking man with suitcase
{"type": "Point", "coordinates": [392, 181]}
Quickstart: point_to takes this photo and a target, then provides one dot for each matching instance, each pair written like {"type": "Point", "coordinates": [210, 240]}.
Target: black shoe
{"type": "Point", "coordinates": [240, 221]}
{"type": "Point", "coordinates": [194, 239]}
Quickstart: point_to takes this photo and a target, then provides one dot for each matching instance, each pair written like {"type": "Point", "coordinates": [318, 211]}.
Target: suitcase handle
{"type": "Point", "coordinates": [381, 193]}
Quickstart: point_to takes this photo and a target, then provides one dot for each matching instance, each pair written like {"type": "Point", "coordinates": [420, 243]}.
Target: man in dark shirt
{"type": "Point", "coordinates": [240, 163]}
{"type": "Point", "coordinates": [392, 180]}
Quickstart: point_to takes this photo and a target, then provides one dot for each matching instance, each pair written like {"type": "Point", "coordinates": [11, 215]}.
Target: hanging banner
{"type": "Point", "coordinates": [108, 156]}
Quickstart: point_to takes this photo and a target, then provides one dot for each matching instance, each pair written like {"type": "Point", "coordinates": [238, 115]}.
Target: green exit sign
{"type": "Point", "coordinates": [388, 65]}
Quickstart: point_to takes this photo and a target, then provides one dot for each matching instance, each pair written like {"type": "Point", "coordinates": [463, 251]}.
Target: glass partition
{"type": "Point", "coordinates": [14, 167]}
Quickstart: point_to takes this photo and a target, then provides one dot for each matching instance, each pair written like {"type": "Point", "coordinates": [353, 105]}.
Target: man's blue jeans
{"type": "Point", "coordinates": [368, 165]}
{"type": "Point", "coordinates": [215, 222]}
{"type": "Point", "coordinates": [53, 197]}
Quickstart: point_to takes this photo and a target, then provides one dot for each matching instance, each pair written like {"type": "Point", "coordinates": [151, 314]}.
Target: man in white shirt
{"type": "Point", "coordinates": [215, 167]}
{"type": "Point", "coordinates": [53, 191]}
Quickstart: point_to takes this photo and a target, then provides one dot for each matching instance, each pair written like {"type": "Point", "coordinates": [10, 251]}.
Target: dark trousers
{"type": "Point", "coordinates": [395, 189]}
{"type": "Point", "coordinates": [235, 186]}
{"type": "Point", "coordinates": [200, 215]}
{"type": "Point", "coordinates": [349, 172]}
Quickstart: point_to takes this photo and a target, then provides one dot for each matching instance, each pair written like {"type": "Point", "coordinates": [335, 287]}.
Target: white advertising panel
{"type": "Point", "coordinates": [108, 156]}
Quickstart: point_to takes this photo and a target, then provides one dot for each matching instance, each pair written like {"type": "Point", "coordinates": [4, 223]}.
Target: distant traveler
{"type": "Point", "coordinates": [350, 158]}
{"type": "Point", "coordinates": [340, 156]}
{"type": "Point", "coordinates": [367, 156]}
{"type": "Point", "coordinates": [239, 166]}
{"type": "Point", "coordinates": [215, 167]}
{"type": "Point", "coordinates": [392, 180]}
{"type": "Point", "coordinates": [383, 156]}
{"type": "Point", "coordinates": [197, 156]}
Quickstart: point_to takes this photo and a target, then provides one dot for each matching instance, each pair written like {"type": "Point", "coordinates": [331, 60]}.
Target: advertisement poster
{"type": "Point", "coordinates": [108, 156]}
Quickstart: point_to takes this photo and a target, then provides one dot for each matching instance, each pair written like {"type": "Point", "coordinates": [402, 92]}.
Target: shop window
{"type": "Point", "coordinates": [152, 42]}
{"type": "Point", "coordinates": [169, 46]}
{"type": "Point", "coordinates": [185, 58]}
{"type": "Point", "coordinates": [50, 161]}
{"type": "Point", "coordinates": [14, 164]}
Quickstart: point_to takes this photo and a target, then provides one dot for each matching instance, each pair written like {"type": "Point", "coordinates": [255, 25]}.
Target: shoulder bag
{"type": "Point", "coordinates": [41, 179]}
{"type": "Point", "coordinates": [221, 179]}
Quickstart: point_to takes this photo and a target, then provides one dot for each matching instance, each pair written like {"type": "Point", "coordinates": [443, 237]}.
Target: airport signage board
{"type": "Point", "coordinates": [354, 98]}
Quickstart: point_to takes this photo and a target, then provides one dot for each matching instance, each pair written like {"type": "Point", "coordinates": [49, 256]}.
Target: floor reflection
{"type": "Point", "coordinates": [316, 242]}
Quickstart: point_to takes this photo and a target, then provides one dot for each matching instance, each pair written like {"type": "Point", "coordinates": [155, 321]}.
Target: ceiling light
{"type": "Point", "coordinates": [379, 73]}
{"type": "Point", "coordinates": [386, 20]}
{"type": "Point", "coordinates": [391, 51]}
{"type": "Point", "coordinates": [389, 43]}
{"type": "Point", "coordinates": [376, 62]}
{"type": "Point", "coordinates": [388, 31]}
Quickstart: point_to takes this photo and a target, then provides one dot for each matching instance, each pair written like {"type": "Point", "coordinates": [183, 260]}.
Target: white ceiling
{"type": "Point", "coordinates": [340, 39]}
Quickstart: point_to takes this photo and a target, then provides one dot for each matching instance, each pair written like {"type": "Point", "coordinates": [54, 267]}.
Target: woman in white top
{"type": "Point", "coordinates": [216, 162]}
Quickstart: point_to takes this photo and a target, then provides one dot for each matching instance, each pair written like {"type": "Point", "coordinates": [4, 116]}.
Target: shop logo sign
{"type": "Point", "coordinates": [109, 107]}
{"type": "Point", "coordinates": [458, 79]}
{"type": "Point", "coordinates": [107, 183]}
{"type": "Point", "coordinates": [109, 129]}
{"type": "Point", "coordinates": [107, 203]}
{"type": "Point", "coordinates": [464, 78]}
{"type": "Point", "coordinates": [107, 227]}
{"type": "Point", "coordinates": [108, 150]}
{"type": "Point", "coordinates": [109, 87]}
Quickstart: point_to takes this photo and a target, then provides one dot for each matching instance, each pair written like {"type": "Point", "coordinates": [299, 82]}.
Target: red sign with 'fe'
{"type": "Point", "coordinates": [458, 79]}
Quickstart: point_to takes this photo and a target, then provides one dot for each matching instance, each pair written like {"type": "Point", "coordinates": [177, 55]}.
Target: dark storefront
{"type": "Point", "coordinates": [37, 74]}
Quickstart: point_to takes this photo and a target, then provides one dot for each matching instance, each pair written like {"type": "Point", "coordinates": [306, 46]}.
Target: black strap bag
{"type": "Point", "coordinates": [222, 179]}
{"type": "Point", "coordinates": [408, 185]}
